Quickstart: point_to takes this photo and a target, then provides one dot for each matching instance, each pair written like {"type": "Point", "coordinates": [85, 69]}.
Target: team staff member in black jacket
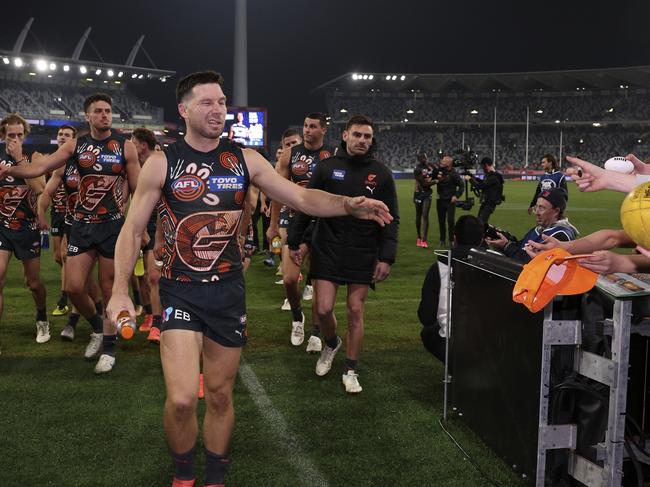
{"type": "Point", "coordinates": [450, 188]}
{"type": "Point", "coordinates": [347, 252]}
{"type": "Point", "coordinates": [491, 188]}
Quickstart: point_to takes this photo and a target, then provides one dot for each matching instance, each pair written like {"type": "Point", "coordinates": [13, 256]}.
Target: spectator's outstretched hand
{"type": "Point", "coordinates": [589, 177]}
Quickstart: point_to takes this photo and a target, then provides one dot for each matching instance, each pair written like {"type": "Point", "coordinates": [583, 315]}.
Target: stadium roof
{"type": "Point", "coordinates": [579, 79]}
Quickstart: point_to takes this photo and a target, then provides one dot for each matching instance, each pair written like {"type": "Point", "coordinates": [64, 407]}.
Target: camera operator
{"type": "Point", "coordinates": [450, 188]}
{"type": "Point", "coordinates": [425, 177]}
{"type": "Point", "coordinates": [551, 222]}
{"type": "Point", "coordinates": [491, 188]}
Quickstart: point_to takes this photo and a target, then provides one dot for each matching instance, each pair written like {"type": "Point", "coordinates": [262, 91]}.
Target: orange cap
{"type": "Point", "coordinates": [550, 273]}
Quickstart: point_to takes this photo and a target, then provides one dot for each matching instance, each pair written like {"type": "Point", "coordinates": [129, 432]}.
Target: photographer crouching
{"type": "Point", "coordinates": [490, 188]}
{"type": "Point", "coordinates": [551, 222]}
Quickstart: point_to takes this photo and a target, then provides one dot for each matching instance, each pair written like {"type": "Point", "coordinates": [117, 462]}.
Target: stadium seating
{"type": "Point", "coordinates": [51, 101]}
{"type": "Point", "coordinates": [446, 121]}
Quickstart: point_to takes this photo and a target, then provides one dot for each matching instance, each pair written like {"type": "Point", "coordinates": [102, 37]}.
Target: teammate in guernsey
{"type": "Point", "coordinates": [239, 131]}
{"type": "Point", "coordinates": [57, 219]}
{"type": "Point", "coordinates": [297, 165]}
{"type": "Point", "coordinates": [145, 144]}
{"type": "Point", "coordinates": [346, 251]}
{"type": "Point", "coordinates": [68, 177]}
{"type": "Point", "coordinates": [103, 160]}
{"type": "Point", "coordinates": [201, 183]}
{"type": "Point", "coordinates": [19, 233]}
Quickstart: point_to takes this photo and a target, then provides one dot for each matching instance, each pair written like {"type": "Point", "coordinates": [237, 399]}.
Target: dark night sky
{"type": "Point", "coordinates": [295, 45]}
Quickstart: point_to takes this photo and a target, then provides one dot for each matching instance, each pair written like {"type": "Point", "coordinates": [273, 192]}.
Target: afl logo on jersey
{"type": "Point", "coordinates": [228, 160]}
{"type": "Point", "coordinates": [87, 159]}
{"type": "Point", "coordinates": [114, 146]}
{"type": "Point", "coordinates": [72, 180]}
{"type": "Point", "coordinates": [188, 187]}
{"type": "Point", "coordinates": [324, 154]}
{"type": "Point", "coordinates": [301, 167]}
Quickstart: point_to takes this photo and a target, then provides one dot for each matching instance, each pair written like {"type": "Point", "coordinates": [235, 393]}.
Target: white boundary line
{"type": "Point", "coordinates": [308, 473]}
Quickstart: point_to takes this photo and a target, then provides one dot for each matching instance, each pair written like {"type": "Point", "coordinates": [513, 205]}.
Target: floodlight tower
{"type": "Point", "coordinates": [240, 77]}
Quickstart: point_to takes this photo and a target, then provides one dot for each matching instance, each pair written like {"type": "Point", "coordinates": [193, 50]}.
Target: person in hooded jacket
{"type": "Point", "coordinates": [344, 252]}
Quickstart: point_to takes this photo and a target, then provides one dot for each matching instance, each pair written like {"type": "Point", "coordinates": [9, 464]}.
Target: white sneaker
{"type": "Point", "coordinates": [285, 306]}
{"type": "Point", "coordinates": [351, 382]}
{"type": "Point", "coordinates": [280, 282]}
{"type": "Point", "coordinates": [326, 358]}
{"type": "Point", "coordinates": [105, 364]}
{"type": "Point", "coordinates": [94, 345]}
{"type": "Point", "coordinates": [67, 333]}
{"type": "Point", "coordinates": [298, 331]}
{"type": "Point", "coordinates": [42, 332]}
{"type": "Point", "coordinates": [314, 344]}
{"type": "Point", "coordinates": [308, 293]}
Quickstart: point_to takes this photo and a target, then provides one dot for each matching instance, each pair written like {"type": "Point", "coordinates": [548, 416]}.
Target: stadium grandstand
{"type": "Point", "coordinates": [49, 90]}
{"type": "Point", "coordinates": [513, 117]}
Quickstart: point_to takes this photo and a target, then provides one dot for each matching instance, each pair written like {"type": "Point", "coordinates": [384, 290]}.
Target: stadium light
{"type": "Point", "coordinates": [32, 74]}
{"type": "Point", "coordinates": [582, 141]}
{"type": "Point", "coordinates": [98, 72]}
{"type": "Point", "coordinates": [474, 112]}
{"type": "Point", "coordinates": [118, 82]}
{"type": "Point", "coordinates": [639, 141]}
{"type": "Point", "coordinates": [5, 60]}
{"type": "Point", "coordinates": [596, 124]}
{"type": "Point", "coordinates": [83, 69]}
{"type": "Point", "coordinates": [371, 76]}
{"type": "Point", "coordinates": [134, 76]}
{"type": "Point", "coordinates": [141, 76]}
{"type": "Point", "coordinates": [540, 111]}
{"type": "Point", "coordinates": [41, 64]}
{"type": "Point", "coordinates": [343, 110]}
{"type": "Point", "coordinates": [66, 68]}
{"type": "Point", "coordinates": [402, 78]}
{"type": "Point", "coordinates": [180, 132]}
{"type": "Point", "coordinates": [406, 119]}
{"type": "Point", "coordinates": [409, 111]}
{"type": "Point", "coordinates": [18, 62]}
{"type": "Point", "coordinates": [394, 77]}
{"type": "Point", "coordinates": [610, 110]}
{"type": "Point", "coordinates": [355, 76]}
{"type": "Point", "coordinates": [365, 76]}
{"type": "Point", "coordinates": [110, 73]}
{"type": "Point", "coordinates": [52, 66]}
{"type": "Point", "coordinates": [388, 77]}
{"type": "Point", "coordinates": [557, 121]}
{"type": "Point", "coordinates": [120, 74]}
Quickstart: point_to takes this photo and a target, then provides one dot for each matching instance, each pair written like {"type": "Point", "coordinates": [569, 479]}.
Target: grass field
{"type": "Point", "coordinates": [63, 426]}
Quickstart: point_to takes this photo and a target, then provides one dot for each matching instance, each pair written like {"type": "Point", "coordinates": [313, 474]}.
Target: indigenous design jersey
{"type": "Point", "coordinates": [17, 200]}
{"type": "Point", "coordinates": [101, 166]}
{"type": "Point", "coordinates": [71, 186]}
{"type": "Point", "coordinates": [59, 200]}
{"type": "Point", "coordinates": [200, 211]}
{"type": "Point", "coordinates": [303, 162]}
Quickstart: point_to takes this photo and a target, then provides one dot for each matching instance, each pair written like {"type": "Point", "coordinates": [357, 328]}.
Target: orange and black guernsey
{"type": "Point", "coordinates": [17, 200]}
{"type": "Point", "coordinates": [102, 171]}
{"type": "Point", "coordinates": [303, 162]}
{"type": "Point", "coordinates": [200, 211]}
